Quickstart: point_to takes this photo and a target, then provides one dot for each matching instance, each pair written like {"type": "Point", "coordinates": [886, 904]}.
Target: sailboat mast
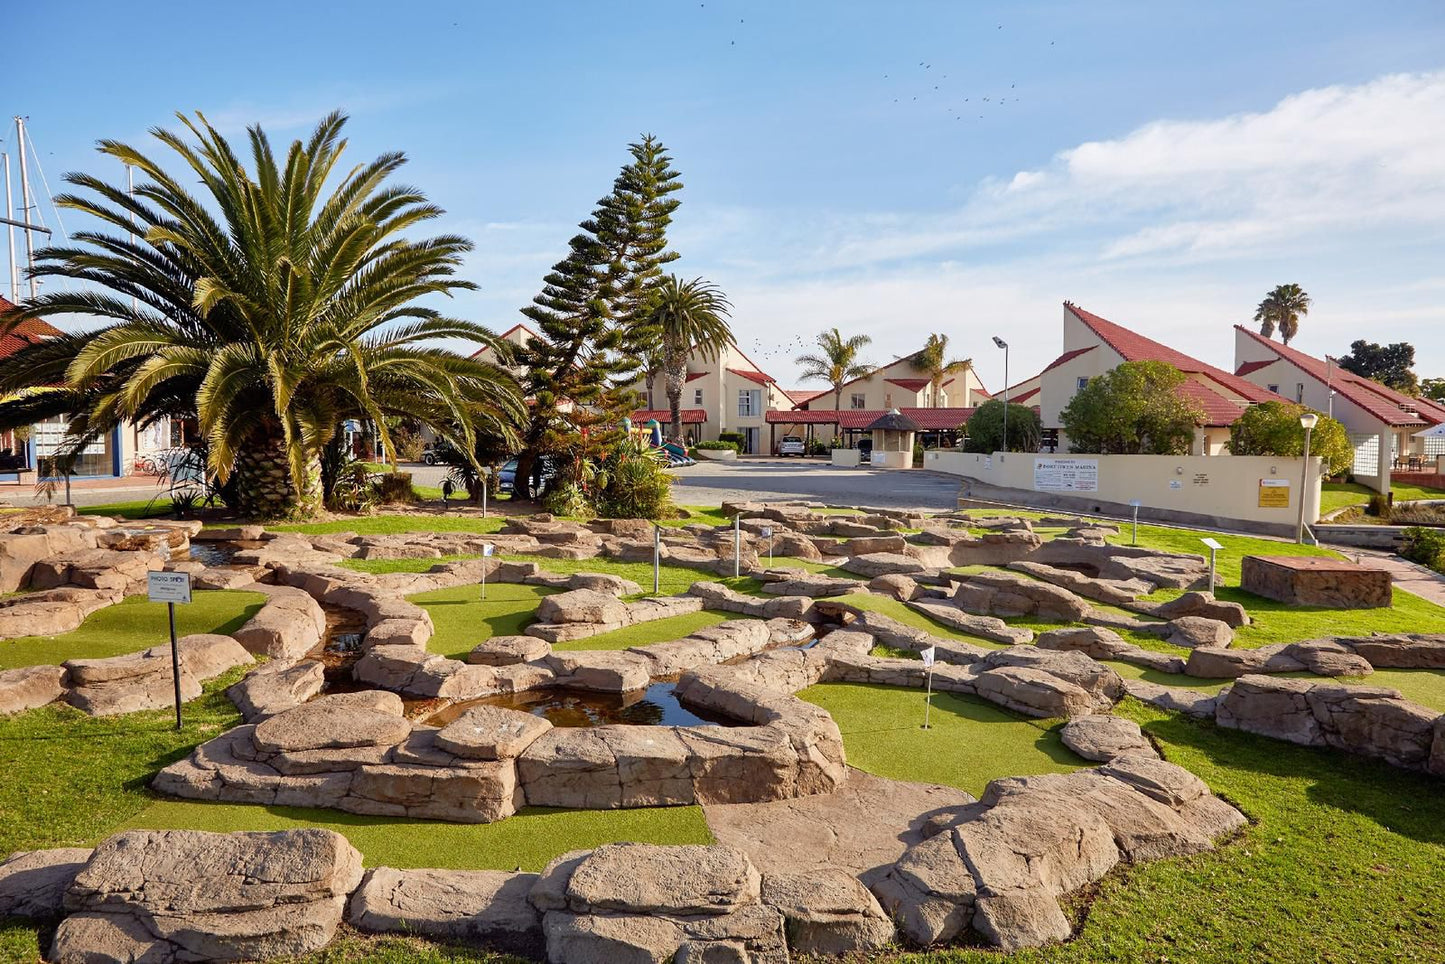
{"type": "Point", "coordinates": [25, 205]}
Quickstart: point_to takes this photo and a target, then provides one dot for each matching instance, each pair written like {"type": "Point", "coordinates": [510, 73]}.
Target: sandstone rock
{"type": "Point", "coordinates": [984, 627]}
{"type": "Point", "coordinates": [1117, 592]}
{"type": "Point", "coordinates": [188, 895]}
{"type": "Point", "coordinates": [898, 586]}
{"type": "Point", "coordinates": [30, 686]}
{"type": "Point", "coordinates": [491, 733]}
{"type": "Point", "coordinates": [1180, 700]}
{"type": "Point", "coordinates": [605, 582]}
{"type": "Point", "coordinates": [33, 882]}
{"type": "Point", "coordinates": [685, 880]}
{"type": "Point", "coordinates": [1019, 919]}
{"type": "Point", "coordinates": [1203, 603]}
{"type": "Point", "coordinates": [930, 891]}
{"type": "Point", "coordinates": [601, 670]}
{"type": "Point", "coordinates": [288, 626]}
{"type": "Point", "coordinates": [1102, 737]}
{"type": "Point", "coordinates": [1191, 631]}
{"type": "Point", "coordinates": [828, 912]}
{"type": "Point", "coordinates": [276, 686]}
{"type": "Point", "coordinates": [1270, 707]}
{"type": "Point", "coordinates": [881, 564]}
{"type": "Point", "coordinates": [1403, 651]}
{"type": "Point", "coordinates": [1166, 782]}
{"type": "Point", "coordinates": [1096, 641]}
{"type": "Point", "coordinates": [1004, 594]}
{"type": "Point", "coordinates": [587, 939]}
{"type": "Point", "coordinates": [507, 650]}
{"type": "Point", "coordinates": [338, 721]}
{"type": "Point", "coordinates": [1316, 581]}
{"type": "Point", "coordinates": [581, 606]}
{"type": "Point", "coordinates": [472, 906]}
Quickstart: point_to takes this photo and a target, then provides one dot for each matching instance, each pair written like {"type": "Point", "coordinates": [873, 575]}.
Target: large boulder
{"type": "Point", "coordinates": [369, 718]}
{"type": "Point", "coordinates": [828, 912]}
{"type": "Point", "coordinates": [491, 733]}
{"type": "Point", "coordinates": [30, 686]}
{"type": "Point", "coordinates": [1102, 737]}
{"type": "Point", "coordinates": [1202, 603]}
{"type": "Point", "coordinates": [33, 882]}
{"type": "Point", "coordinates": [582, 606]}
{"type": "Point", "coordinates": [185, 895]}
{"type": "Point", "coordinates": [275, 686]}
{"type": "Point", "coordinates": [1005, 594]}
{"type": "Point", "coordinates": [484, 907]}
{"type": "Point", "coordinates": [1192, 631]}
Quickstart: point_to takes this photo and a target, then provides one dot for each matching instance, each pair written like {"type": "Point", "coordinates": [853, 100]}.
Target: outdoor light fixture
{"type": "Point", "coordinates": [1004, 345]}
{"type": "Point", "coordinates": [1308, 421]}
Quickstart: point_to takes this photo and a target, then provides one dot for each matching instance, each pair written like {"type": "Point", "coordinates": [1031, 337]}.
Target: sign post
{"type": "Point", "coordinates": [487, 549]}
{"type": "Point", "coordinates": [767, 533]}
{"type": "Point", "coordinates": [1135, 504]}
{"type": "Point", "coordinates": [171, 588]}
{"type": "Point", "coordinates": [928, 655]}
{"type": "Point", "coordinates": [1214, 546]}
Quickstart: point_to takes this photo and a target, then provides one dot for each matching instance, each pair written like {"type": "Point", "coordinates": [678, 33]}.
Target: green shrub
{"type": "Point", "coordinates": [1379, 506]}
{"type": "Point", "coordinates": [632, 483]}
{"type": "Point", "coordinates": [718, 446]}
{"type": "Point", "coordinates": [985, 428]}
{"type": "Point", "coordinates": [818, 447]}
{"type": "Point", "coordinates": [734, 437]}
{"type": "Point", "coordinates": [1425, 546]}
{"type": "Point", "coordinates": [395, 487]}
{"type": "Point", "coordinates": [917, 454]}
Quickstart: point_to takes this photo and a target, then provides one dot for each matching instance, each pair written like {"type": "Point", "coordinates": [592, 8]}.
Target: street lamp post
{"type": "Point", "coordinates": [1004, 345]}
{"type": "Point", "coordinates": [1307, 420]}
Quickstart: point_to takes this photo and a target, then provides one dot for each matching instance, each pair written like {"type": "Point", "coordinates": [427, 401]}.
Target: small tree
{"type": "Point", "coordinates": [1273, 428]}
{"type": "Point", "coordinates": [1282, 308]}
{"type": "Point", "coordinates": [934, 362]}
{"type": "Point", "coordinates": [1135, 409]}
{"type": "Point", "coordinates": [837, 362]}
{"type": "Point", "coordinates": [687, 316]}
{"type": "Point", "coordinates": [985, 428]}
{"type": "Point", "coordinates": [1433, 388]}
{"type": "Point", "coordinates": [1391, 365]}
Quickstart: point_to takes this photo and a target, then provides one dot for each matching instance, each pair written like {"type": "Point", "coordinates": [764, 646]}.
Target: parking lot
{"type": "Point", "coordinates": [711, 483]}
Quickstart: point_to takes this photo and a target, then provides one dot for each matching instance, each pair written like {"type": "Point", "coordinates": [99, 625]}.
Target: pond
{"type": "Point", "coordinates": [657, 705]}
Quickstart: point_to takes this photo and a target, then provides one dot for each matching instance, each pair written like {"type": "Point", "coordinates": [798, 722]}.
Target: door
{"type": "Point", "coordinates": [751, 440]}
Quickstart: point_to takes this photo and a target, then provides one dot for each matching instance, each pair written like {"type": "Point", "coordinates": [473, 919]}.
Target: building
{"type": "Point", "coordinates": [1381, 421]}
{"type": "Point", "coordinates": [723, 392]}
{"type": "Point", "coordinates": [519, 334]}
{"type": "Point", "coordinates": [1093, 345]}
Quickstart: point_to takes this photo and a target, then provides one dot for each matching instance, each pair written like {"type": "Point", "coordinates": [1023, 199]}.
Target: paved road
{"type": "Point", "coordinates": [710, 483]}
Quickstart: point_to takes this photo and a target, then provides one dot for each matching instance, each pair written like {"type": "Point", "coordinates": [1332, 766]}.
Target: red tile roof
{"type": "Point", "coordinates": [503, 337]}
{"type": "Point", "coordinates": [929, 419]}
{"type": "Point", "coordinates": [693, 375]}
{"type": "Point", "coordinates": [1252, 366]}
{"type": "Point", "coordinates": [28, 332]}
{"type": "Point", "coordinates": [1013, 393]}
{"type": "Point", "coordinates": [802, 396]}
{"type": "Point", "coordinates": [1020, 399]}
{"type": "Point", "coordinates": [1381, 401]}
{"type": "Point", "coordinates": [912, 384]}
{"type": "Point", "coordinates": [760, 377]}
{"type": "Point", "coordinates": [690, 416]}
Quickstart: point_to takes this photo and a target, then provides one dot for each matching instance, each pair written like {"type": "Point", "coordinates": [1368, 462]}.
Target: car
{"type": "Point", "coordinates": [792, 445]}
{"type": "Point", "coordinates": [865, 450]}
{"type": "Point", "coordinates": [432, 453]}
{"type": "Point", "coordinates": [546, 472]}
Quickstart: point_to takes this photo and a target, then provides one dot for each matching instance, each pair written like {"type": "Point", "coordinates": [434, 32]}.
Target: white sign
{"type": "Point", "coordinates": [766, 532]}
{"type": "Point", "coordinates": [1175, 484]}
{"type": "Point", "coordinates": [487, 549]}
{"type": "Point", "coordinates": [1066, 475]}
{"type": "Point", "coordinates": [1212, 543]}
{"type": "Point", "coordinates": [1135, 503]}
{"type": "Point", "coordinates": [988, 461]}
{"type": "Point", "coordinates": [928, 655]}
{"type": "Point", "coordinates": [168, 587]}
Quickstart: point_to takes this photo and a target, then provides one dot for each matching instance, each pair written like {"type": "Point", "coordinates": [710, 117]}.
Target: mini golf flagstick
{"type": "Point", "coordinates": [656, 559]}
{"type": "Point", "coordinates": [1214, 546]}
{"type": "Point", "coordinates": [928, 655]}
{"type": "Point", "coordinates": [1135, 503]}
{"type": "Point", "coordinates": [767, 533]}
{"type": "Point", "coordinates": [486, 554]}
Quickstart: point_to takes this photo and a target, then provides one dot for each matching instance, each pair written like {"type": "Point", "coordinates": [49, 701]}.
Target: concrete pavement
{"type": "Point", "coordinates": [712, 483]}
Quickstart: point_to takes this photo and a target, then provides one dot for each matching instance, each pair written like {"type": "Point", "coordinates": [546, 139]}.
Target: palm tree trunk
{"type": "Point", "coordinates": [264, 487]}
{"type": "Point", "coordinates": [674, 371]}
{"type": "Point", "coordinates": [651, 380]}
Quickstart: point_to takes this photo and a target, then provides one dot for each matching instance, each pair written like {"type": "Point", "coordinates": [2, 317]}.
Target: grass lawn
{"type": "Point", "coordinates": [889, 606]}
{"type": "Point", "coordinates": [1423, 686]}
{"type": "Point", "coordinates": [392, 524]}
{"type": "Point", "coordinates": [136, 509]}
{"type": "Point", "coordinates": [970, 742]}
{"type": "Point", "coordinates": [132, 625]}
{"type": "Point", "coordinates": [526, 841]}
{"type": "Point", "coordinates": [1339, 495]}
{"type": "Point", "coordinates": [463, 619]}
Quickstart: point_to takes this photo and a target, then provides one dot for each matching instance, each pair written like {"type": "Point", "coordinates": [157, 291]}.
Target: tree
{"type": "Point", "coordinates": [1433, 388]}
{"type": "Point", "coordinates": [263, 306]}
{"type": "Point", "coordinates": [689, 315]}
{"type": "Point", "coordinates": [1282, 308]}
{"type": "Point", "coordinates": [1273, 428]}
{"type": "Point", "coordinates": [1135, 409]}
{"type": "Point", "coordinates": [985, 428]}
{"type": "Point", "coordinates": [1390, 365]}
{"type": "Point", "coordinates": [934, 362]}
{"type": "Point", "coordinates": [837, 364]}
{"type": "Point", "coordinates": [592, 313]}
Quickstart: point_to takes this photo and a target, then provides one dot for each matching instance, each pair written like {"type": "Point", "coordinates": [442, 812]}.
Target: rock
{"type": "Point", "coordinates": [1102, 737]}
{"type": "Point", "coordinates": [288, 626]}
{"type": "Point", "coordinates": [509, 650]}
{"type": "Point", "coordinates": [605, 582]}
{"type": "Point", "coordinates": [881, 564]}
{"type": "Point", "coordinates": [1191, 631]}
{"type": "Point", "coordinates": [984, 627]}
{"type": "Point", "coordinates": [604, 671]}
{"type": "Point", "coordinates": [1004, 594]}
{"type": "Point", "coordinates": [368, 718]}
{"type": "Point", "coordinates": [1096, 641]}
{"type": "Point", "coordinates": [183, 894]}
{"type": "Point", "coordinates": [1117, 592]}
{"type": "Point", "coordinates": [276, 686]}
{"type": "Point", "coordinates": [1203, 603]}
{"type": "Point", "coordinates": [126, 684]}
{"type": "Point", "coordinates": [1175, 698]}
{"type": "Point", "coordinates": [685, 880]}
{"type": "Point", "coordinates": [581, 606]}
{"type": "Point", "coordinates": [897, 585]}
{"type": "Point", "coordinates": [1316, 581]}
{"type": "Point", "coordinates": [470, 906]}
{"type": "Point", "coordinates": [30, 686]}
{"type": "Point", "coordinates": [585, 939]}
{"type": "Point", "coordinates": [491, 733]}
{"type": "Point", "coordinates": [930, 891]}
{"type": "Point", "coordinates": [1403, 651]}
{"type": "Point", "coordinates": [1270, 707]}
{"type": "Point", "coordinates": [828, 912]}
{"type": "Point", "coordinates": [33, 882]}
{"type": "Point", "coordinates": [1017, 920]}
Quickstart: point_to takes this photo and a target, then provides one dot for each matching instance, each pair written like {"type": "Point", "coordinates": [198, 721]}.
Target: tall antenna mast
{"type": "Point", "coordinates": [10, 231]}
{"type": "Point", "coordinates": [25, 205]}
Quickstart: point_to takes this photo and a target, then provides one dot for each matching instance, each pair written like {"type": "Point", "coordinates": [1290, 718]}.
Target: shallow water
{"type": "Point", "coordinates": [657, 705]}
{"type": "Point", "coordinates": [219, 553]}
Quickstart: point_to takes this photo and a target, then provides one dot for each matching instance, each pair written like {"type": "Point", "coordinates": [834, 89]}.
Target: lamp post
{"type": "Point", "coordinates": [1307, 420]}
{"type": "Point", "coordinates": [1004, 345]}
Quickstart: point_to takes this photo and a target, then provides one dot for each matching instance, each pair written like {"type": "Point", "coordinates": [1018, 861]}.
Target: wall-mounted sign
{"type": "Point", "coordinates": [1274, 493]}
{"type": "Point", "coordinates": [1066, 475]}
{"type": "Point", "coordinates": [988, 461]}
{"type": "Point", "coordinates": [1175, 484]}
{"type": "Point", "coordinates": [1201, 478]}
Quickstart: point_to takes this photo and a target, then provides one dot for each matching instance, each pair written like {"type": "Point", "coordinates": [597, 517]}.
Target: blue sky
{"type": "Point", "coordinates": [1162, 164]}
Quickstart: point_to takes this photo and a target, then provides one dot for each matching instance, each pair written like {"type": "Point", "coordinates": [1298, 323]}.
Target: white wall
{"type": "Point", "coordinates": [1225, 488]}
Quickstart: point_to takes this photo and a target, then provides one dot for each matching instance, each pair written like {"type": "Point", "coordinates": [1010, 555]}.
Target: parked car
{"type": "Point", "coordinates": [431, 454]}
{"type": "Point", "coordinates": [547, 471]}
{"type": "Point", "coordinates": [865, 450]}
{"type": "Point", "coordinates": [792, 445]}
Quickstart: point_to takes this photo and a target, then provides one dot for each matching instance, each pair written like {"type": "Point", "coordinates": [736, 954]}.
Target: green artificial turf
{"type": "Point", "coordinates": [1423, 686]}
{"type": "Point", "coordinates": [1175, 680]}
{"type": "Point", "coordinates": [396, 524]}
{"type": "Point", "coordinates": [133, 625]}
{"type": "Point", "coordinates": [969, 743]}
{"type": "Point", "coordinates": [526, 841]}
{"type": "Point", "coordinates": [645, 634]}
{"type": "Point", "coordinates": [157, 508]}
{"type": "Point", "coordinates": [889, 606]}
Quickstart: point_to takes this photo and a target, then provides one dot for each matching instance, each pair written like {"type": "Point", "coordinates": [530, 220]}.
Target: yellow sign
{"type": "Point", "coordinates": [1274, 493]}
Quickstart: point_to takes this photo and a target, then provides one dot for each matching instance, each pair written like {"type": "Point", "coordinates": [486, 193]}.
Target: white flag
{"type": "Point", "coordinates": [487, 549]}
{"type": "Point", "coordinates": [928, 657]}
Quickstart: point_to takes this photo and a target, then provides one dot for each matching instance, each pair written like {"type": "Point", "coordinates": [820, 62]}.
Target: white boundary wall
{"type": "Point", "coordinates": [1225, 487]}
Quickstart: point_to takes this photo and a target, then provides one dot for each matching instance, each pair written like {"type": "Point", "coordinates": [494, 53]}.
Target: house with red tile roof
{"type": "Point", "coordinates": [724, 392]}
{"type": "Point", "coordinates": [1094, 345]}
{"type": "Point", "coordinates": [1381, 421]}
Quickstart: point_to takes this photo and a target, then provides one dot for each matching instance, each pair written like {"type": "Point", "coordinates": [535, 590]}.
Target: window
{"type": "Point", "coordinates": [1083, 383]}
{"type": "Point", "coordinates": [697, 396]}
{"type": "Point", "coordinates": [1299, 392]}
{"type": "Point", "coordinates": [859, 400]}
{"type": "Point", "coordinates": [750, 402]}
{"type": "Point", "coordinates": [1273, 388]}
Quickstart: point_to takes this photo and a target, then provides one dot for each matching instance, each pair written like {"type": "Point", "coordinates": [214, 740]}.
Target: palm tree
{"type": "Point", "coordinates": [837, 364]}
{"type": "Point", "coordinates": [1282, 308]}
{"type": "Point", "coordinates": [933, 361]}
{"type": "Point", "coordinates": [263, 306]}
{"type": "Point", "coordinates": [687, 316]}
